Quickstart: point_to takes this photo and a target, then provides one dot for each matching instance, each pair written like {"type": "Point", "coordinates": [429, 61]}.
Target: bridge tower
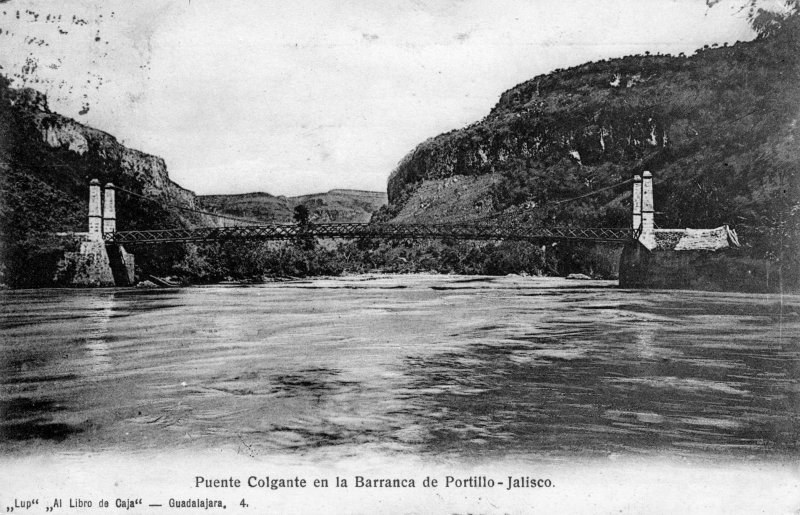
{"type": "Point", "coordinates": [637, 202]}
{"type": "Point", "coordinates": [95, 218]}
{"type": "Point", "coordinates": [648, 235]}
{"type": "Point", "coordinates": [109, 211]}
{"type": "Point", "coordinates": [99, 261]}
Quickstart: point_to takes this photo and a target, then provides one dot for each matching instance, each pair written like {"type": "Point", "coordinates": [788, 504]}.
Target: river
{"type": "Point", "coordinates": [628, 401]}
{"type": "Point", "coordinates": [467, 366]}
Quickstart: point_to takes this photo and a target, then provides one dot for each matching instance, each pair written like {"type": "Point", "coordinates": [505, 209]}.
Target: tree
{"type": "Point", "coordinates": [301, 214]}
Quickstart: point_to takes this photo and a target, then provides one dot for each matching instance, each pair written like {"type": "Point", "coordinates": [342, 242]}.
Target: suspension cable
{"type": "Point", "coordinates": [192, 210]}
{"type": "Point", "coordinates": [506, 212]}
{"type": "Point", "coordinates": [156, 201]}
{"type": "Point", "coordinates": [593, 192]}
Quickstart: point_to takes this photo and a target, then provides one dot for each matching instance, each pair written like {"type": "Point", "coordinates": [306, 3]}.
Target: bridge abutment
{"type": "Point", "coordinates": [88, 266]}
{"type": "Point", "coordinates": [723, 269]}
{"type": "Point", "coordinates": [699, 259]}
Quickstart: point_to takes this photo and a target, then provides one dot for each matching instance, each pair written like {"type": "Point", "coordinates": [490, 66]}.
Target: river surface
{"type": "Point", "coordinates": [469, 367]}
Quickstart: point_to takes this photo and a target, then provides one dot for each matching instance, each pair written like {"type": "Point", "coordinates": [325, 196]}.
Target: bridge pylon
{"type": "Point", "coordinates": [99, 261]}
{"type": "Point", "coordinates": [647, 236]}
{"type": "Point", "coordinates": [95, 209]}
{"type": "Point", "coordinates": [109, 211]}
{"type": "Point", "coordinates": [637, 202]}
{"type": "Point", "coordinates": [643, 212]}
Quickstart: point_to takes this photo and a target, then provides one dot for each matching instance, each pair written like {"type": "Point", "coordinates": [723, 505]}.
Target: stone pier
{"type": "Point", "coordinates": [88, 266]}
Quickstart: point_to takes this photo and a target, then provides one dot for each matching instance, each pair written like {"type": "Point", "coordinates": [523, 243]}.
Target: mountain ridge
{"type": "Point", "coordinates": [336, 205]}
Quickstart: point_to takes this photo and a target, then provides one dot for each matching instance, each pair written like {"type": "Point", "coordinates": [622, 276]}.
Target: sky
{"type": "Point", "coordinates": [294, 97]}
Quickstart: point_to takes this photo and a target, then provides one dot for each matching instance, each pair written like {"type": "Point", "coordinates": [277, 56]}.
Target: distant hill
{"type": "Point", "coordinates": [339, 205]}
{"type": "Point", "coordinates": [720, 130]}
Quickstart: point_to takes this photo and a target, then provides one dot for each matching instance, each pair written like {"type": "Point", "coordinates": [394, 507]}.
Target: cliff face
{"type": "Point", "coordinates": [47, 161]}
{"type": "Point", "coordinates": [338, 205]}
{"type": "Point", "coordinates": [719, 130]}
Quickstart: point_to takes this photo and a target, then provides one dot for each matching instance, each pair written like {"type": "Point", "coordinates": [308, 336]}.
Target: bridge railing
{"type": "Point", "coordinates": [371, 231]}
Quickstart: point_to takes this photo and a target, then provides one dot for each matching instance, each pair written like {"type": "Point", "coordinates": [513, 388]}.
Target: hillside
{"type": "Point", "coordinates": [46, 163]}
{"type": "Point", "coordinates": [337, 205]}
{"type": "Point", "coordinates": [719, 130]}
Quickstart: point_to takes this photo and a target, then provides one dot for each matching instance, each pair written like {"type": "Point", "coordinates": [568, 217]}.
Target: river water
{"type": "Point", "coordinates": [466, 367]}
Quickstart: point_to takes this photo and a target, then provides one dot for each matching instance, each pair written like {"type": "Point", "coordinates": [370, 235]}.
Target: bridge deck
{"type": "Point", "coordinates": [370, 231]}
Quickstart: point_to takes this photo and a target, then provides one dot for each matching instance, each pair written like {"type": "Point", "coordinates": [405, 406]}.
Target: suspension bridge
{"type": "Point", "coordinates": [500, 226]}
{"type": "Point", "coordinates": [103, 261]}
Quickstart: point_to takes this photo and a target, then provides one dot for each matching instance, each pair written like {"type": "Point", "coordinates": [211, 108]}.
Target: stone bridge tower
{"type": "Point", "coordinates": [648, 234]}
{"type": "Point", "coordinates": [98, 262]}
{"type": "Point", "coordinates": [643, 212]}
{"type": "Point", "coordinates": [95, 209]}
{"type": "Point", "coordinates": [109, 211]}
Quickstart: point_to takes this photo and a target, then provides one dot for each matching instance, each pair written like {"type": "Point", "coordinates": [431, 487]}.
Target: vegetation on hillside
{"type": "Point", "coordinates": [44, 185]}
{"type": "Point", "coordinates": [249, 261]}
{"type": "Point", "coordinates": [718, 130]}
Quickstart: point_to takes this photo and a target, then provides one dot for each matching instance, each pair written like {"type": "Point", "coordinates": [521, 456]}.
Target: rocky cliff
{"type": "Point", "coordinates": [47, 161]}
{"type": "Point", "coordinates": [719, 130]}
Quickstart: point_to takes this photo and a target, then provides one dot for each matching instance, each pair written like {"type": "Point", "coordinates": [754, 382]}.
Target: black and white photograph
{"type": "Point", "coordinates": [400, 256]}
